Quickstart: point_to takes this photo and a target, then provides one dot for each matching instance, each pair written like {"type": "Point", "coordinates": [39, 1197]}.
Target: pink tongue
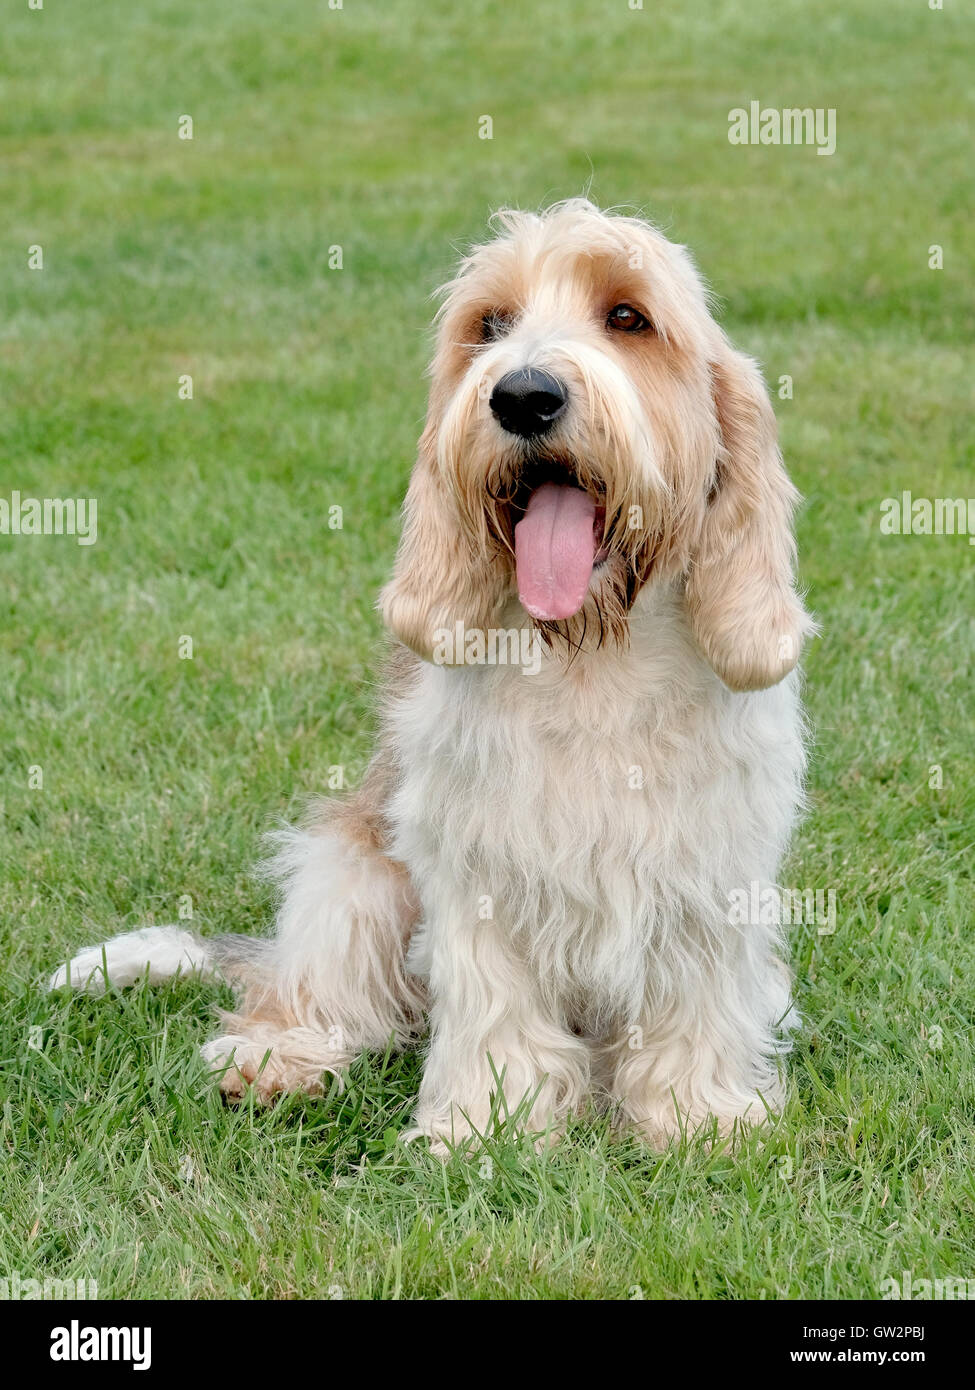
{"type": "Point", "coordinates": [554, 551]}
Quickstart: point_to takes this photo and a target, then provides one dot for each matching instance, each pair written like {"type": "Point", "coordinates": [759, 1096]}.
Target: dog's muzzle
{"type": "Point", "coordinates": [528, 402]}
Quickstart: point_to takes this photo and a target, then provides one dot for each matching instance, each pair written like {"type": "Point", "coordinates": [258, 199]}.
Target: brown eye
{"type": "Point", "coordinates": [495, 325]}
{"type": "Point", "coordinates": [626, 319]}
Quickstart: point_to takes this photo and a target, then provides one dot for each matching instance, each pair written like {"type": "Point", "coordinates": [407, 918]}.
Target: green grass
{"type": "Point", "coordinates": [358, 127]}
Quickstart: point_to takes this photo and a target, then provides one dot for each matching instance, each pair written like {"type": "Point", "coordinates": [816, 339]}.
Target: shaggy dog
{"type": "Point", "coordinates": [539, 863]}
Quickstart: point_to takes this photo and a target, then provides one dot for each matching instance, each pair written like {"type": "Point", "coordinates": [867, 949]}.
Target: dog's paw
{"type": "Point", "coordinates": [445, 1140]}
{"type": "Point", "coordinates": [457, 1133]}
{"type": "Point", "coordinates": [665, 1125]}
{"type": "Point", "coordinates": [271, 1063]}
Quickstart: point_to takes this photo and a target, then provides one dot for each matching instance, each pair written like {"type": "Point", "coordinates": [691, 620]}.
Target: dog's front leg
{"type": "Point", "coordinates": [711, 1056]}
{"type": "Point", "coordinates": [496, 1053]}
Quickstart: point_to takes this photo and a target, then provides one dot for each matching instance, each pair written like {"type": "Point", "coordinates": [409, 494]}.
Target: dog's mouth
{"type": "Point", "coordinates": [559, 540]}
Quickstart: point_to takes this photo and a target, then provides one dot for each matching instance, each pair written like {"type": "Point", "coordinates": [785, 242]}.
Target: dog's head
{"type": "Point", "coordinates": [590, 431]}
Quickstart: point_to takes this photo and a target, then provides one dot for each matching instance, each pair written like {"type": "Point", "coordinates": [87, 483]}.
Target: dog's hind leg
{"type": "Point", "coordinates": [332, 981]}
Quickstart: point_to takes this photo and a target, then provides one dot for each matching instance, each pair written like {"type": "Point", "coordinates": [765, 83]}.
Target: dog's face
{"type": "Point", "coordinates": [590, 431]}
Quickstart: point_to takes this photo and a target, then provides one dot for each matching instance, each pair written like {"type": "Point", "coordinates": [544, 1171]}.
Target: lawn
{"type": "Point", "coordinates": [357, 128]}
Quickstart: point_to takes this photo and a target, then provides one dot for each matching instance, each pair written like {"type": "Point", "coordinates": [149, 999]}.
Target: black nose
{"type": "Point", "coordinates": [528, 402]}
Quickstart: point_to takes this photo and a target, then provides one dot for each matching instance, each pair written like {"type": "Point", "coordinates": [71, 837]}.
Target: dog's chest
{"type": "Point", "coordinates": [514, 781]}
{"type": "Point", "coordinates": [588, 809]}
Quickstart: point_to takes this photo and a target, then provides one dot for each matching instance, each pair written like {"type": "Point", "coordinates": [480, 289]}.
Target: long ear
{"type": "Point", "coordinates": [740, 591]}
{"type": "Point", "coordinates": [443, 576]}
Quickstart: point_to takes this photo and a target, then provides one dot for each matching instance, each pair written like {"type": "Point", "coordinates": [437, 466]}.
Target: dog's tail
{"type": "Point", "coordinates": [161, 953]}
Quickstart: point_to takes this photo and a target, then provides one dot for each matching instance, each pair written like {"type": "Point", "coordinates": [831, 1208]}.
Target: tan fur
{"type": "Point", "coordinates": [740, 595]}
{"type": "Point", "coordinates": [442, 574]}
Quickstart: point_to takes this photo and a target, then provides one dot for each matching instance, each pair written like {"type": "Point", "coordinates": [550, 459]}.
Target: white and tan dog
{"type": "Point", "coordinates": [540, 861]}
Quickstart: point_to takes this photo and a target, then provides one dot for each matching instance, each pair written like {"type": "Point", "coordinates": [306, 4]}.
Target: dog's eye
{"type": "Point", "coordinates": [495, 325]}
{"type": "Point", "coordinates": [626, 319]}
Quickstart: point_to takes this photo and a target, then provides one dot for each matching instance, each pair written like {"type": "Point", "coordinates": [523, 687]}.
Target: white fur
{"type": "Point", "coordinates": [610, 902]}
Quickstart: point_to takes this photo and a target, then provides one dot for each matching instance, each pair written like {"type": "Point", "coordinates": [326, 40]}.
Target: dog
{"type": "Point", "coordinates": [538, 864]}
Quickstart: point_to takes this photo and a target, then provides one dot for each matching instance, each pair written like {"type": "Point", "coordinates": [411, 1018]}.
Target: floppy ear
{"type": "Point", "coordinates": [442, 574]}
{"type": "Point", "coordinates": [740, 591]}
